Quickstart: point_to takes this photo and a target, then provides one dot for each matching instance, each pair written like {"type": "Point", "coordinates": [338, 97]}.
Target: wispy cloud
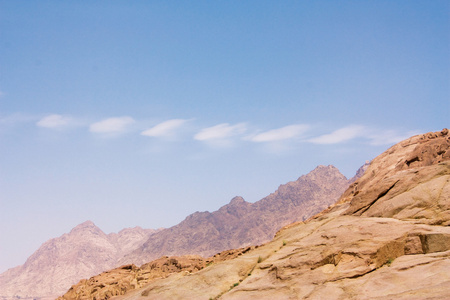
{"type": "Point", "coordinates": [283, 133]}
{"type": "Point", "coordinates": [54, 121]}
{"type": "Point", "coordinates": [165, 129]}
{"type": "Point", "coordinates": [388, 137]}
{"type": "Point", "coordinates": [220, 132]}
{"type": "Point", "coordinates": [340, 135]}
{"type": "Point", "coordinates": [17, 118]}
{"type": "Point", "coordinates": [112, 125]}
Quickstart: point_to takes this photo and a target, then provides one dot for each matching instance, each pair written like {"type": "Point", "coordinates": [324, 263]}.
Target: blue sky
{"type": "Point", "coordinates": [141, 113]}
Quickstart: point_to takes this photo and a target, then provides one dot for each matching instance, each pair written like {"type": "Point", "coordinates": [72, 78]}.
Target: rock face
{"type": "Point", "coordinates": [407, 181]}
{"type": "Point", "coordinates": [61, 262]}
{"type": "Point", "coordinates": [241, 223]}
{"type": "Point", "coordinates": [387, 238]}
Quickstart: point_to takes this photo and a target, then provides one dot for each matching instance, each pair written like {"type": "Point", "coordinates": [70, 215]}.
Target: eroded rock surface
{"type": "Point", "coordinates": [386, 189]}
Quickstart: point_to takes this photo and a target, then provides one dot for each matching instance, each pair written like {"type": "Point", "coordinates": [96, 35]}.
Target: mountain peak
{"type": "Point", "coordinates": [322, 167]}
{"type": "Point", "coordinates": [86, 224]}
{"type": "Point", "coordinates": [237, 200]}
{"type": "Point", "coordinates": [324, 172]}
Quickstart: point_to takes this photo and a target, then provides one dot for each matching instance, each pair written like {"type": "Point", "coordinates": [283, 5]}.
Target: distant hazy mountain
{"type": "Point", "coordinates": [241, 223]}
{"type": "Point", "coordinates": [86, 250]}
{"type": "Point", "coordinates": [62, 261]}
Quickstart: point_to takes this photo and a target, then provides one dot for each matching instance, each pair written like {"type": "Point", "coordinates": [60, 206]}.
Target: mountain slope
{"type": "Point", "coordinates": [241, 223]}
{"type": "Point", "coordinates": [60, 262]}
{"type": "Point", "coordinates": [387, 238]}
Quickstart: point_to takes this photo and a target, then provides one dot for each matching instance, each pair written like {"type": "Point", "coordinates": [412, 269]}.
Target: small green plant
{"type": "Point", "coordinates": [389, 261]}
{"type": "Point", "coordinates": [234, 285]}
{"type": "Point", "coordinates": [284, 242]}
{"type": "Point", "coordinates": [259, 259]}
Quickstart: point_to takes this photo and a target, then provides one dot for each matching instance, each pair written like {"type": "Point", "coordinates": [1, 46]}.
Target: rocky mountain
{"type": "Point", "coordinates": [62, 261]}
{"type": "Point", "coordinates": [388, 237]}
{"type": "Point", "coordinates": [87, 251]}
{"type": "Point", "coordinates": [240, 223]}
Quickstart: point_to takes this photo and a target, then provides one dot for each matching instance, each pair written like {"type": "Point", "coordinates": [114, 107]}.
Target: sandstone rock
{"type": "Point", "coordinates": [335, 257]}
{"type": "Point", "coordinates": [402, 166]}
{"type": "Point", "coordinates": [129, 277]}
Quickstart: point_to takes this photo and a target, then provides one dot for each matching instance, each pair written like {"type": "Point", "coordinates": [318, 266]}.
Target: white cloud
{"type": "Point", "coordinates": [284, 133]}
{"type": "Point", "coordinates": [340, 135]}
{"type": "Point", "coordinates": [220, 132]}
{"type": "Point", "coordinates": [111, 125]}
{"type": "Point", "coordinates": [164, 129]}
{"type": "Point", "coordinates": [54, 121]}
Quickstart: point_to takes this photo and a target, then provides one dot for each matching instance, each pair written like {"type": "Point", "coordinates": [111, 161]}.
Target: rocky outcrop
{"type": "Point", "coordinates": [240, 223]}
{"type": "Point", "coordinates": [62, 261]}
{"type": "Point", "coordinates": [129, 277]}
{"type": "Point", "coordinates": [408, 181]}
{"type": "Point", "coordinates": [387, 238]}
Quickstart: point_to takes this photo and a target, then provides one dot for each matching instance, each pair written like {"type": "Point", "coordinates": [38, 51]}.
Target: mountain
{"type": "Point", "coordinates": [62, 261]}
{"type": "Point", "coordinates": [388, 237]}
{"type": "Point", "coordinates": [87, 251]}
{"type": "Point", "coordinates": [241, 223]}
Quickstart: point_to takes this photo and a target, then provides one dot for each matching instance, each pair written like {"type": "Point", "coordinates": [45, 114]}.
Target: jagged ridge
{"type": "Point", "coordinates": [241, 223]}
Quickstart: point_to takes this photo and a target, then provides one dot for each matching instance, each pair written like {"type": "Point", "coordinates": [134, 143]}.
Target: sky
{"type": "Point", "coordinates": [139, 113]}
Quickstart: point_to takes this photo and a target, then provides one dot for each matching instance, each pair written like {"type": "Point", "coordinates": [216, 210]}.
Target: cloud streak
{"type": "Point", "coordinates": [220, 132]}
{"type": "Point", "coordinates": [54, 121]}
{"type": "Point", "coordinates": [340, 135]}
{"type": "Point", "coordinates": [164, 129]}
{"type": "Point", "coordinates": [111, 125]}
{"type": "Point", "coordinates": [221, 135]}
{"type": "Point", "coordinates": [283, 133]}
{"type": "Point", "coordinates": [17, 118]}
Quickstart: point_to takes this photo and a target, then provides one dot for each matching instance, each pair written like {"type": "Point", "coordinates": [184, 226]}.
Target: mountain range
{"type": "Point", "coordinates": [241, 223]}
{"type": "Point", "coordinates": [87, 250]}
